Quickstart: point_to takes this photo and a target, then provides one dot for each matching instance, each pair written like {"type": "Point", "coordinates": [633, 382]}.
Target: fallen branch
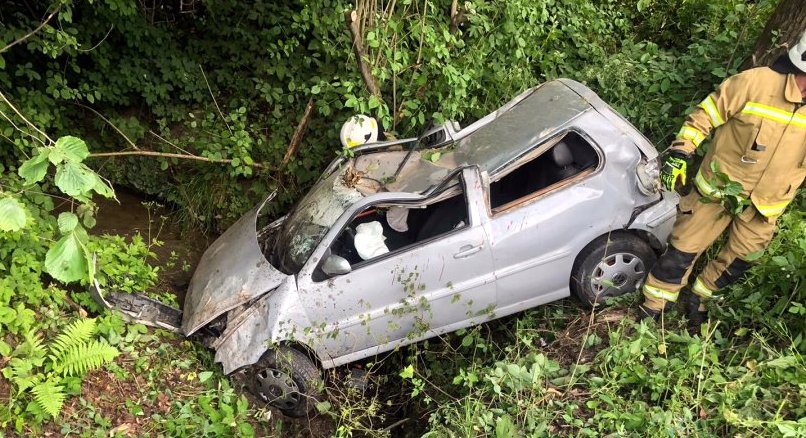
{"type": "Point", "coordinates": [171, 155]}
{"type": "Point", "coordinates": [31, 33]}
{"type": "Point", "coordinates": [296, 139]}
{"type": "Point", "coordinates": [351, 18]}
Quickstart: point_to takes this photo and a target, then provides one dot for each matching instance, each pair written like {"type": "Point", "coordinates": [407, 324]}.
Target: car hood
{"type": "Point", "coordinates": [231, 272]}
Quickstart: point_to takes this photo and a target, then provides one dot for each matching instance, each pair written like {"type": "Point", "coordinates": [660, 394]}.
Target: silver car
{"type": "Point", "coordinates": [551, 194]}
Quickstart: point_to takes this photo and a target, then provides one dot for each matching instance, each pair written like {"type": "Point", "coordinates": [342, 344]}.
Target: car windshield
{"type": "Point", "coordinates": [311, 219]}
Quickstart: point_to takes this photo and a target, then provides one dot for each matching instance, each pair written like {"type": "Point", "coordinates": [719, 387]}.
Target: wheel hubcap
{"type": "Point", "coordinates": [277, 388]}
{"type": "Point", "coordinates": [617, 274]}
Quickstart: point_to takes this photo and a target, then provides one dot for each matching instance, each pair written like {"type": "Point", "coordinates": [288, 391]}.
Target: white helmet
{"type": "Point", "coordinates": [358, 130]}
{"type": "Point", "coordinates": [797, 54]}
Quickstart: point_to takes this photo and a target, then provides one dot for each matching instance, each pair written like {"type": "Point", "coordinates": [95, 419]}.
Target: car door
{"type": "Point", "coordinates": [535, 232]}
{"type": "Point", "coordinates": [421, 290]}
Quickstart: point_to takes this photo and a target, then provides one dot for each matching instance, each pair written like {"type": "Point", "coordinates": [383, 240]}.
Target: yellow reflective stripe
{"type": "Point", "coordinates": [713, 113]}
{"type": "Point", "coordinates": [701, 289]}
{"type": "Point", "coordinates": [774, 114]}
{"type": "Point", "coordinates": [705, 187]}
{"type": "Point", "coordinates": [659, 293]}
{"type": "Point", "coordinates": [689, 133]}
{"type": "Point", "coordinates": [772, 209]}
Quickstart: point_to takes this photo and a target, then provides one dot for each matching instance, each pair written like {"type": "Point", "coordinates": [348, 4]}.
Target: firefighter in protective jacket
{"type": "Point", "coordinates": [759, 122]}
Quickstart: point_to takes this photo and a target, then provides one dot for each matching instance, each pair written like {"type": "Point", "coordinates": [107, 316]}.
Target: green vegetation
{"type": "Point", "coordinates": [216, 88]}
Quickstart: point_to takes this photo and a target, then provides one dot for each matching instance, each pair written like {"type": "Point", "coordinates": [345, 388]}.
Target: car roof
{"type": "Point", "coordinates": [490, 143]}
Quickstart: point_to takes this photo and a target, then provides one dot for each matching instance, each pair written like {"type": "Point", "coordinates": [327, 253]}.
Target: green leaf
{"type": "Point", "coordinates": [407, 372]}
{"type": "Point", "coordinates": [12, 214]}
{"type": "Point", "coordinates": [205, 376]}
{"type": "Point", "coordinates": [72, 148]}
{"type": "Point", "coordinates": [67, 222]}
{"type": "Point", "coordinates": [35, 169]}
{"type": "Point", "coordinates": [74, 179]}
{"type": "Point", "coordinates": [5, 349]}
{"type": "Point", "coordinates": [102, 188]}
{"type": "Point", "coordinates": [65, 260]}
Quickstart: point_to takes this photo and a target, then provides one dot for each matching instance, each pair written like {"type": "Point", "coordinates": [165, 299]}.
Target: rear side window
{"type": "Point", "coordinates": [568, 159]}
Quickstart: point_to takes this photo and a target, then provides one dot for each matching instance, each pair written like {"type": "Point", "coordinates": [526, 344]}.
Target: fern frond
{"type": "Point", "coordinates": [49, 396]}
{"type": "Point", "coordinates": [77, 359]}
{"type": "Point", "coordinates": [33, 345]}
{"type": "Point", "coordinates": [20, 372]}
{"type": "Point", "coordinates": [78, 332]}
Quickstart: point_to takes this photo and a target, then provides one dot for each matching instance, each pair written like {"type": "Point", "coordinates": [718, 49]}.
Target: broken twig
{"type": "Point", "coordinates": [296, 139]}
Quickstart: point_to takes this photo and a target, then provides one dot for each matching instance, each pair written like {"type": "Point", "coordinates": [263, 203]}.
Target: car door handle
{"type": "Point", "coordinates": [467, 251]}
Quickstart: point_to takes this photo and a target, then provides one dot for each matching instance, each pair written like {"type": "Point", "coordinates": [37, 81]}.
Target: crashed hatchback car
{"type": "Point", "coordinates": [552, 193]}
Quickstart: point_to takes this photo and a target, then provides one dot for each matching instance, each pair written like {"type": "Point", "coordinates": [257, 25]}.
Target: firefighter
{"type": "Point", "coordinates": [759, 123]}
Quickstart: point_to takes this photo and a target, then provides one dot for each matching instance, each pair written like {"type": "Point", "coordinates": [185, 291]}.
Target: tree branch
{"type": "Point", "coordinates": [28, 122]}
{"type": "Point", "coordinates": [214, 101]}
{"type": "Point", "coordinates": [351, 18]}
{"type": "Point", "coordinates": [128, 140]}
{"type": "Point", "coordinates": [170, 155]}
{"type": "Point", "coordinates": [298, 132]}
{"type": "Point", "coordinates": [31, 33]}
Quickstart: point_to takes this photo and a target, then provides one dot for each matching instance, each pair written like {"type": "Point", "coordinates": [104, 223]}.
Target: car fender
{"type": "Point", "coordinates": [273, 318]}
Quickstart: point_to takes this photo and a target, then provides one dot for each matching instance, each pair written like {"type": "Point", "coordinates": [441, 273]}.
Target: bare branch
{"type": "Point", "coordinates": [128, 140]}
{"type": "Point", "coordinates": [170, 155]}
{"type": "Point", "coordinates": [28, 122]}
{"type": "Point", "coordinates": [31, 33]}
{"type": "Point", "coordinates": [99, 42]}
{"type": "Point", "coordinates": [298, 132]}
{"type": "Point", "coordinates": [168, 142]}
{"type": "Point", "coordinates": [214, 101]}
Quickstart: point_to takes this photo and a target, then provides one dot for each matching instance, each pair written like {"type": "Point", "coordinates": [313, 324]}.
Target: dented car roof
{"type": "Point", "coordinates": [491, 143]}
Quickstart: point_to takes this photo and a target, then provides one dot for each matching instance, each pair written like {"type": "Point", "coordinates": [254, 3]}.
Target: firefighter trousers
{"type": "Point", "coordinates": [697, 226]}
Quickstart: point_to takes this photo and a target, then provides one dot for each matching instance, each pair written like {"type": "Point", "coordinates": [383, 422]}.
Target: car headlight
{"type": "Point", "coordinates": [648, 173]}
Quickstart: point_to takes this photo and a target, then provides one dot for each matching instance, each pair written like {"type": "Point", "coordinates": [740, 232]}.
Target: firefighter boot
{"type": "Point", "coordinates": [695, 313]}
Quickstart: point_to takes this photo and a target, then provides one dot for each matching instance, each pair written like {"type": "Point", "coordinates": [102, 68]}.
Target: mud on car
{"type": "Point", "coordinates": [551, 194]}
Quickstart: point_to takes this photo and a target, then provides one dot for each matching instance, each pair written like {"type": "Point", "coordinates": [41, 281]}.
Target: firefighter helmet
{"type": "Point", "coordinates": [358, 130]}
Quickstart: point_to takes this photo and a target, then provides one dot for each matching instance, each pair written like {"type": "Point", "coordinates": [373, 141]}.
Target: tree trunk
{"type": "Point", "coordinates": [790, 19]}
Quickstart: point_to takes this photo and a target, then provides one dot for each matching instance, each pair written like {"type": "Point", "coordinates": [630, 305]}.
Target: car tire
{"type": "Point", "coordinates": [611, 265]}
{"type": "Point", "coordinates": [286, 379]}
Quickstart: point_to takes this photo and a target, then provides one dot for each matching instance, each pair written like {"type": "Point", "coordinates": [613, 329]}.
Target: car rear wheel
{"type": "Point", "coordinates": [611, 266]}
{"type": "Point", "coordinates": [288, 380]}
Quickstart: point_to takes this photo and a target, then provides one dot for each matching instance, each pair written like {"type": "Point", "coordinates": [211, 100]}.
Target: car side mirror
{"type": "Point", "coordinates": [336, 265]}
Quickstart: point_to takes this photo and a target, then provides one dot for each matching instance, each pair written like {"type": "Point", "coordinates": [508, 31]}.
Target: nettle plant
{"type": "Point", "coordinates": [68, 259]}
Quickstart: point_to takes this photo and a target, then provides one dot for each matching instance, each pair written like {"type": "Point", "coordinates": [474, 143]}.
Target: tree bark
{"type": "Point", "coordinates": [296, 139]}
{"type": "Point", "coordinates": [351, 17]}
{"type": "Point", "coordinates": [790, 19]}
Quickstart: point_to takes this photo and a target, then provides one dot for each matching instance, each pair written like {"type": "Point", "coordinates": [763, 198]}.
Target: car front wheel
{"type": "Point", "coordinates": [286, 379]}
{"type": "Point", "coordinates": [610, 266]}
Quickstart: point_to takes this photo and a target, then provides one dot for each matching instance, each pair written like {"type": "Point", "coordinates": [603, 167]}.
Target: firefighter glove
{"type": "Point", "coordinates": [674, 169]}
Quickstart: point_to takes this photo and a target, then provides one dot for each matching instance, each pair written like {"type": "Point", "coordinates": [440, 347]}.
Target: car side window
{"type": "Point", "coordinates": [388, 228]}
{"type": "Point", "coordinates": [570, 158]}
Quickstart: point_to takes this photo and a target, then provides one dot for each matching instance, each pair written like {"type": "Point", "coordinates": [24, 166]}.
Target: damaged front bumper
{"type": "Point", "coordinates": [139, 309]}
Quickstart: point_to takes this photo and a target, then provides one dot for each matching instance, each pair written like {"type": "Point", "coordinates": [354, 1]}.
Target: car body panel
{"type": "Point", "coordinates": [232, 271]}
{"type": "Point", "coordinates": [397, 298]}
